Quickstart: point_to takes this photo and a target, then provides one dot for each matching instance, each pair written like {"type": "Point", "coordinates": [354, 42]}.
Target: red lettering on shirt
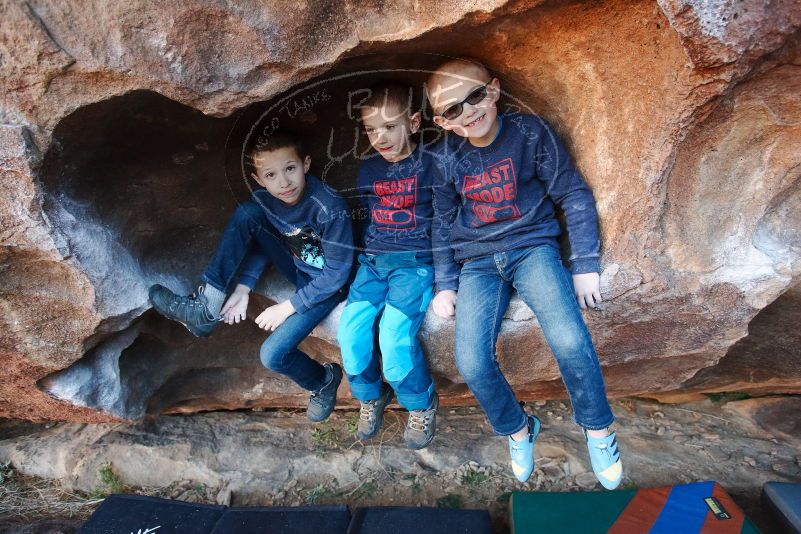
{"type": "Point", "coordinates": [396, 202]}
{"type": "Point", "coordinates": [491, 195]}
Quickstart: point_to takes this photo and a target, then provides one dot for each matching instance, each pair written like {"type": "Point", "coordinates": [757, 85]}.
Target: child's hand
{"type": "Point", "coordinates": [445, 303]}
{"type": "Point", "coordinates": [235, 308]}
{"type": "Point", "coordinates": [588, 289]}
{"type": "Point", "coordinates": [274, 316]}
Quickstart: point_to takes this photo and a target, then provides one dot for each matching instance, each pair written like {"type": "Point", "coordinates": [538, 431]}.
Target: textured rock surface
{"type": "Point", "coordinates": [684, 118]}
{"type": "Point", "coordinates": [766, 361]}
{"type": "Point", "coordinates": [279, 459]}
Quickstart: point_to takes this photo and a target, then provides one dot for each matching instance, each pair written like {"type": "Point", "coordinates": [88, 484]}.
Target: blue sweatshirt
{"type": "Point", "coordinates": [502, 197]}
{"type": "Point", "coordinates": [396, 202]}
{"type": "Point", "coordinates": [317, 232]}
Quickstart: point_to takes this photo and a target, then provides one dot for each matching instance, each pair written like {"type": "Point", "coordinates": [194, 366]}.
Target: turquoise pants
{"type": "Point", "coordinates": [400, 285]}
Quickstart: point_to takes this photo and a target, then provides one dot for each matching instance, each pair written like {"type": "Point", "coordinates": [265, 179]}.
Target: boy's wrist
{"type": "Point", "coordinates": [242, 288]}
{"type": "Point", "coordinates": [585, 265]}
{"type": "Point", "coordinates": [446, 286]}
{"type": "Point", "coordinates": [297, 303]}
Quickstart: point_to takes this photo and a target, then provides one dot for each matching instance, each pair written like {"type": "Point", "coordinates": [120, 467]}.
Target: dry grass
{"type": "Point", "coordinates": [24, 498]}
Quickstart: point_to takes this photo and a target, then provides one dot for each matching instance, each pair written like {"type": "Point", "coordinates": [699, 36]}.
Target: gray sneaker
{"type": "Point", "coordinates": [190, 311]}
{"type": "Point", "coordinates": [371, 414]}
{"type": "Point", "coordinates": [421, 426]}
{"type": "Point", "coordinates": [322, 401]}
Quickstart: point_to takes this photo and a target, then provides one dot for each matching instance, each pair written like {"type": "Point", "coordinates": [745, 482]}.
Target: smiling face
{"type": "Point", "coordinates": [461, 83]}
{"type": "Point", "coordinates": [282, 172]}
{"type": "Point", "coordinates": [389, 128]}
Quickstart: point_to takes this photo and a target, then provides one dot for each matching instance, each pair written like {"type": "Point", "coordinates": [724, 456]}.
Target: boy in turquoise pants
{"type": "Point", "coordinates": [395, 275]}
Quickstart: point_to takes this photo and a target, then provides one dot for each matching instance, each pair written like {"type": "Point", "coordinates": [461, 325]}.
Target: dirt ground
{"type": "Point", "coordinates": [59, 473]}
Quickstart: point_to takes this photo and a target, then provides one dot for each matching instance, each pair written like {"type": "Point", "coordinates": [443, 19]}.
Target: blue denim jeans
{"type": "Point", "coordinates": [544, 284]}
{"type": "Point", "coordinates": [401, 286]}
{"type": "Point", "coordinates": [248, 245]}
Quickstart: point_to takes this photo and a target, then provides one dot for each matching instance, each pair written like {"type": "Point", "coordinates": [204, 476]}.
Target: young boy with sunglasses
{"type": "Point", "coordinates": [501, 178]}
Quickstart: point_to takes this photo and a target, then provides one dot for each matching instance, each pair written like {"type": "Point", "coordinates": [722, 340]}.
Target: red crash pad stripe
{"type": "Point", "coordinates": [713, 525]}
{"type": "Point", "coordinates": [642, 512]}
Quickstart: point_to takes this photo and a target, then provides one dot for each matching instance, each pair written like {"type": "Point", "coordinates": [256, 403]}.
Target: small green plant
{"type": "Point", "coordinates": [451, 500]}
{"type": "Point", "coordinates": [364, 491]}
{"type": "Point", "coordinates": [728, 396]}
{"type": "Point", "coordinates": [473, 479]}
{"type": "Point", "coordinates": [352, 424]}
{"type": "Point", "coordinates": [317, 493]}
{"type": "Point", "coordinates": [109, 482]}
{"type": "Point", "coordinates": [324, 438]}
{"type": "Point", "coordinates": [504, 497]}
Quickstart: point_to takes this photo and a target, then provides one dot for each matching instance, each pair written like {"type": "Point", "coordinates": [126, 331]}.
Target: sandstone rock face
{"type": "Point", "coordinates": [120, 145]}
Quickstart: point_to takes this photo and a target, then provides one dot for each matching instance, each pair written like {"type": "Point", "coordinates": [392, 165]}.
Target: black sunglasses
{"type": "Point", "coordinates": [477, 95]}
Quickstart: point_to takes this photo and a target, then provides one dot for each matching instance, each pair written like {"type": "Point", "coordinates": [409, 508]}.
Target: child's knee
{"type": "Point", "coordinates": [569, 342]}
{"type": "Point", "coordinates": [397, 350]}
{"type": "Point", "coordinates": [356, 350]}
{"type": "Point", "coordinates": [272, 357]}
{"type": "Point", "coordinates": [474, 365]}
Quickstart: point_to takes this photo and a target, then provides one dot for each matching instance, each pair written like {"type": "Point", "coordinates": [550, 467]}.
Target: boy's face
{"type": "Point", "coordinates": [389, 129]}
{"type": "Point", "coordinates": [478, 115]}
{"type": "Point", "coordinates": [282, 173]}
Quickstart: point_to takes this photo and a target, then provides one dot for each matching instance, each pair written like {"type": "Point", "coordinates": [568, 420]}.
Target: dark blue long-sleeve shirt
{"type": "Point", "coordinates": [317, 231]}
{"type": "Point", "coordinates": [396, 202]}
{"type": "Point", "coordinates": [502, 197]}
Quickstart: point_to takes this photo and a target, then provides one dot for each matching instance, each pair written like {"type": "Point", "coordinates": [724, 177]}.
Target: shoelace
{"type": "Point", "coordinates": [419, 422]}
{"type": "Point", "coordinates": [191, 302]}
{"type": "Point", "coordinates": [185, 304]}
{"type": "Point", "coordinates": [315, 394]}
{"type": "Point", "coordinates": [366, 412]}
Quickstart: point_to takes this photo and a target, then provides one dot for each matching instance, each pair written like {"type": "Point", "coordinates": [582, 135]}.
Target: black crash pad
{"type": "Point", "coordinates": [278, 520]}
{"type": "Point", "coordinates": [415, 520]}
{"type": "Point", "coordinates": [137, 514]}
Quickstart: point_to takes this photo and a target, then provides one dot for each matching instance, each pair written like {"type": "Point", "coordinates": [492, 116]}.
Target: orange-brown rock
{"type": "Point", "coordinates": [118, 165]}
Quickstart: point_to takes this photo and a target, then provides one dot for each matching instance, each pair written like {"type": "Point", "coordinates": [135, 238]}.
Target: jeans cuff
{"type": "Point", "coordinates": [596, 426]}
{"type": "Point", "coordinates": [514, 428]}
{"type": "Point", "coordinates": [205, 278]}
{"type": "Point", "coordinates": [366, 392]}
{"type": "Point", "coordinates": [416, 401]}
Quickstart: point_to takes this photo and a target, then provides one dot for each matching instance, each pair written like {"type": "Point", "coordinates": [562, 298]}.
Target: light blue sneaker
{"type": "Point", "coordinates": [522, 452]}
{"type": "Point", "coordinates": [605, 459]}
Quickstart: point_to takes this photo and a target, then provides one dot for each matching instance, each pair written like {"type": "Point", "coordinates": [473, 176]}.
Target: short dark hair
{"type": "Point", "coordinates": [390, 92]}
{"type": "Point", "coordinates": [274, 141]}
